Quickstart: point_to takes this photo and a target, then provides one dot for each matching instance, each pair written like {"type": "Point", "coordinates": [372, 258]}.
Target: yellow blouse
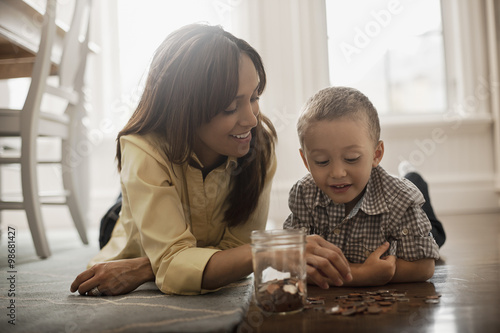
{"type": "Point", "coordinates": [175, 217]}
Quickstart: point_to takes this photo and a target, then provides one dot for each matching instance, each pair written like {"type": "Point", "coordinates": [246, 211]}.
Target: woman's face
{"type": "Point", "coordinates": [228, 133]}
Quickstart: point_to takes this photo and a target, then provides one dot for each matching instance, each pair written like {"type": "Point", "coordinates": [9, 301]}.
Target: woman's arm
{"type": "Point", "coordinates": [227, 266]}
{"type": "Point", "coordinates": [123, 276]}
{"type": "Point", "coordinates": [325, 262]}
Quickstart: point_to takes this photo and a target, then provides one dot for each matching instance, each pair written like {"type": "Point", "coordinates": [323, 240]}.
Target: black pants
{"type": "Point", "coordinates": [108, 222]}
{"type": "Point", "coordinates": [437, 228]}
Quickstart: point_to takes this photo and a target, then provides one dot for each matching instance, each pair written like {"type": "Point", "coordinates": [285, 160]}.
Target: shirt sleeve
{"type": "Point", "coordinates": [240, 235]}
{"type": "Point", "coordinates": [113, 248]}
{"type": "Point", "coordinates": [414, 238]}
{"type": "Point", "coordinates": [299, 216]}
{"type": "Point", "coordinates": [154, 208]}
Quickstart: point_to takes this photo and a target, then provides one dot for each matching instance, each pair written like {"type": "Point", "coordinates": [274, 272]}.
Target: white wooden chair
{"type": "Point", "coordinates": [31, 122]}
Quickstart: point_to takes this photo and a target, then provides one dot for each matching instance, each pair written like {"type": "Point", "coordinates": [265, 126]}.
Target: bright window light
{"type": "Point", "coordinates": [143, 25]}
{"type": "Point", "coordinates": [390, 50]}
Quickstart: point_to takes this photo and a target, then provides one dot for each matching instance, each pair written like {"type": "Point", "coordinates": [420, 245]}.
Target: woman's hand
{"type": "Point", "coordinates": [326, 262]}
{"type": "Point", "coordinates": [114, 277]}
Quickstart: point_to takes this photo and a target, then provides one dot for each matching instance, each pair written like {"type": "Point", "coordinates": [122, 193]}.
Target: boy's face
{"type": "Point", "coordinates": [340, 156]}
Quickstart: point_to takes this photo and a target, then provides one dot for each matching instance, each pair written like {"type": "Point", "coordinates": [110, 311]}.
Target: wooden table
{"type": "Point", "coordinates": [467, 277]}
{"type": "Point", "coordinates": [20, 29]}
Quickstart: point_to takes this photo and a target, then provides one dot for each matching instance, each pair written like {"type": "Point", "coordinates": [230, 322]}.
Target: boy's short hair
{"type": "Point", "coordinates": [338, 102]}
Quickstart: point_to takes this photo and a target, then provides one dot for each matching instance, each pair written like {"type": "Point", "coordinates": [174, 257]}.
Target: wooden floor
{"type": "Point", "coordinates": [466, 279]}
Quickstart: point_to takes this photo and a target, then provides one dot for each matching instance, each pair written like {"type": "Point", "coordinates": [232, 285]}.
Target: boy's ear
{"type": "Point", "coordinates": [304, 158]}
{"type": "Point", "coordinates": [379, 153]}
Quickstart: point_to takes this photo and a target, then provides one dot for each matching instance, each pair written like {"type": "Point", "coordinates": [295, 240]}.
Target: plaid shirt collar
{"type": "Point", "coordinates": [371, 203]}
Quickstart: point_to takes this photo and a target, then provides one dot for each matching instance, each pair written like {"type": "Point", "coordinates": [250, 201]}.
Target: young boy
{"type": "Point", "coordinates": [375, 219]}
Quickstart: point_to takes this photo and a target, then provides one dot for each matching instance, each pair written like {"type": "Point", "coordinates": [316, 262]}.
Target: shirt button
{"type": "Point", "coordinates": [367, 253]}
{"type": "Point", "coordinates": [336, 231]}
{"type": "Point", "coordinates": [404, 232]}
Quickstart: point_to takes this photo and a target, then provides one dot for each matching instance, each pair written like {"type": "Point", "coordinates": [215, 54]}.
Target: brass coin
{"type": "Point", "coordinates": [432, 301]}
{"type": "Point", "coordinates": [374, 309]}
{"type": "Point", "coordinates": [349, 312]}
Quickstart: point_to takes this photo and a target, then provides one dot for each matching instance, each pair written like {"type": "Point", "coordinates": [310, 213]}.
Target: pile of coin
{"type": "Point", "coordinates": [369, 302]}
{"type": "Point", "coordinates": [281, 295]}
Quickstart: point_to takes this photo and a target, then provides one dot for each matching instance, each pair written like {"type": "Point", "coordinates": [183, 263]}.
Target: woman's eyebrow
{"type": "Point", "coordinates": [241, 96]}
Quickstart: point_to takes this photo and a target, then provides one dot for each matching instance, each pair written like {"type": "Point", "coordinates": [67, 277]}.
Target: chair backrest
{"type": "Point", "coordinates": [75, 46]}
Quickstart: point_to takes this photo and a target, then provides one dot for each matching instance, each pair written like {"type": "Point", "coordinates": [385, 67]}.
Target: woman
{"type": "Point", "coordinates": [196, 162]}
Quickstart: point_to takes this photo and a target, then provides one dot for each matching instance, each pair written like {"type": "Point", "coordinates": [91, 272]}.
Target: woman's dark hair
{"type": "Point", "coordinates": [193, 76]}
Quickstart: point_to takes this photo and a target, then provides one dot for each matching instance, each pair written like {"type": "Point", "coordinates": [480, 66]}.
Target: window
{"type": "Point", "coordinates": [390, 50]}
{"type": "Point", "coordinates": [143, 25]}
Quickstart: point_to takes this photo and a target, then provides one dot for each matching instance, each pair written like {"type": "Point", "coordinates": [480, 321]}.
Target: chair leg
{"type": "Point", "coordinates": [1, 211]}
{"type": "Point", "coordinates": [31, 201]}
{"type": "Point", "coordinates": [69, 183]}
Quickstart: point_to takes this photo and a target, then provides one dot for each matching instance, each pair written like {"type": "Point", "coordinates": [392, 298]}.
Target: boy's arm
{"type": "Point", "coordinates": [376, 271]}
{"type": "Point", "coordinates": [413, 271]}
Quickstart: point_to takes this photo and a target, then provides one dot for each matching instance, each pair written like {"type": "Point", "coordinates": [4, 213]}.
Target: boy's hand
{"type": "Point", "coordinates": [375, 271]}
{"type": "Point", "coordinates": [326, 262]}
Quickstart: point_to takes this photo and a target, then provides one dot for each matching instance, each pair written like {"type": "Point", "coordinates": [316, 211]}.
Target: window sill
{"type": "Point", "coordinates": [413, 125]}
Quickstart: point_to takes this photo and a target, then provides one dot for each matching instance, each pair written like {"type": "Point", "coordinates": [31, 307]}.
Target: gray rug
{"type": "Point", "coordinates": [43, 302]}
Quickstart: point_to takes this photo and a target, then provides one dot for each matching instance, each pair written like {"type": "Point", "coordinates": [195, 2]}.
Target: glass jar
{"type": "Point", "coordinates": [279, 268]}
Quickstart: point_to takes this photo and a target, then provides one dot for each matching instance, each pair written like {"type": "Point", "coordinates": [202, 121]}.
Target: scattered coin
{"type": "Point", "coordinates": [361, 308]}
{"type": "Point", "coordinates": [333, 310]}
{"type": "Point", "coordinates": [433, 297]}
{"type": "Point", "coordinates": [315, 301]}
{"type": "Point", "coordinates": [371, 302]}
{"type": "Point", "coordinates": [374, 309]}
{"type": "Point", "coordinates": [385, 303]}
{"type": "Point", "coordinates": [432, 301]}
{"type": "Point", "coordinates": [349, 312]}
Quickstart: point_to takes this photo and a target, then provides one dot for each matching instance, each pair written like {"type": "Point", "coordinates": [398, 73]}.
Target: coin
{"type": "Point", "coordinates": [373, 302]}
{"type": "Point", "coordinates": [385, 303]}
{"type": "Point", "coordinates": [374, 309]}
{"type": "Point", "coordinates": [272, 288]}
{"type": "Point", "coordinates": [433, 297]}
{"type": "Point", "coordinates": [316, 300]}
{"type": "Point", "coordinates": [333, 310]}
{"type": "Point", "coordinates": [431, 301]}
{"type": "Point", "coordinates": [280, 296]}
{"type": "Point", "coordinates": [349, 312]}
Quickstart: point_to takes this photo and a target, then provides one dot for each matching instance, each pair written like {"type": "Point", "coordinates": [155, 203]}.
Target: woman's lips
{"type": "Point", "coordinates": [242, 138]}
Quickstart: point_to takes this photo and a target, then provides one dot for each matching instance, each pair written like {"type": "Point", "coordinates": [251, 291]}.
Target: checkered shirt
{"type": "Point", "coordinates": [390, 210]}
